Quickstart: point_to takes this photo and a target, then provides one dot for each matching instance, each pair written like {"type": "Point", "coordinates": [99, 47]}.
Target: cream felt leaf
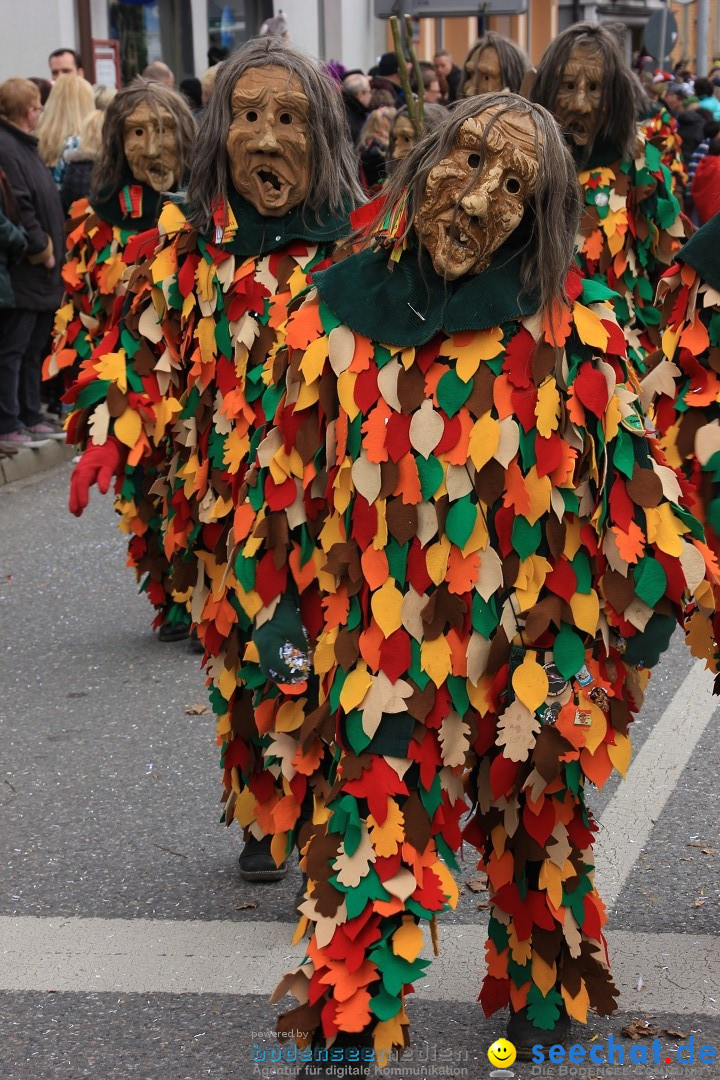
{"type": "Point", "coordinates": [426, 429]}
{"type": "Point", "coordinates": [296, 982]}
{"type": "Point", "coordinates": [490, 578]}
{"type": "Point", "coordinates": [99, 424]}
{"type": "Point", "coordinates": [454, 739]}
{"type": "Point", "coordinates": [283, 746]}
{"type": "Point", "coordinates": [367, 477]}
{"type": "Point", "coordinates": [402, 885]}
{"type": "Point", "coordinates": [388, 383]}
{"type": "Point", "coordinates": [707, 441]}
{"type": "Point", "coordinates": [457, 482]}
{"type": "Point", "coordinates": [478, 651]}
{"type": "Point", "coordinates": [560, 849]}
{"type": "Point", "coordinates": [572, 934]}
{"type": "Point", "coordinates": [517, 730]}
{"type": "Point", "coordinates": [669, 480]}
{"type": "Point", "coordinates": [412, 609]}
{"type": "Point", "coordinates": [427, 526]}
{"type": "Point", "coordinates": [383, 697]}
{"type": "Point", "coordinates": [149, 325]}
{"type": "Point", "coordinates": [407, 941]}
{"type": "Point", "coordinates": [693, 566]}
{"type": "Point", "coordinates": [341, 348]}
{"type": "Point", "coordinates": [264, 276]}
{"type": "Point", "coordinates": [351, 869]}
{"type": "Point", "coordinates": [244, 331]}
{"type": "Point", "coordinates": [658, 382]}
{"type": "Point", "coordinates": [613, 556]}
{"type": "Point", "coordinates": [509, 442]}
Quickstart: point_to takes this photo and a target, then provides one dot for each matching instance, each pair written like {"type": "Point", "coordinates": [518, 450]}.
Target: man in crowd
{"type": "Point", "coordinates": [690, 121]}
{"type": "Point", "coordinates": [449, 74]}
{"type": "Point", "coordinates": [356, 96]}
{"type": "Point", "coordinates": [65, 62]}
{"type": "Point", "coordinates": [159, 72]}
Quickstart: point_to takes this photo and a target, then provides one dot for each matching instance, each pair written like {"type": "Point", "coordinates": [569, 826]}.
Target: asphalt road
{"type": "Point", "coordinates": [129, 947]}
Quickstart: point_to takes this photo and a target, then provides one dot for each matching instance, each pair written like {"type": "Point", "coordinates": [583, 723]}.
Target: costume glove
{"type": "Point", "coordinates": [97, 465]}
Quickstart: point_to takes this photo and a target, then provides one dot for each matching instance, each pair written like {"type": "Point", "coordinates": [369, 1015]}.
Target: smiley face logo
{"type": "Point", "coordinates": [502, 1054]}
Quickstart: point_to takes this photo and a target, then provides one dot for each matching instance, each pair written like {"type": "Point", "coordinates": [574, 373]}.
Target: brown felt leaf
{"type": "Point", "coordinates": [402, 520]}
{"type": "Point", "coordinates": [645, 487]}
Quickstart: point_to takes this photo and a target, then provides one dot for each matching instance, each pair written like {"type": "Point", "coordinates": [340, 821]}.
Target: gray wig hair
{"type": "Point", "coordinates": [109, 170]}
{"type": "Point", "coordinates": [513, 61]}
{"type": "Point", "coordinates": [333, 166]}
{"type": "Point", "coordinates": [553, 211]}
{"type": "Point", "coordinates": [619, 106]}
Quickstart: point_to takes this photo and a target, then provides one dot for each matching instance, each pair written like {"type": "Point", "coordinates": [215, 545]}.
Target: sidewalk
{"type": "Point", "coordinates": [28, 461]}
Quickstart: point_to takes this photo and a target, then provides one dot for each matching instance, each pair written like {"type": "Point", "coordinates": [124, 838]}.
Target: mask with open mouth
{"type": "Point", "coordinates": [578, 100]}
{"type": "Point", "coordinates": [482, 73]}
{"type": "Point", "coordinates": [269, 140]}
{"type": "Point", "coordinates": [477, 196]}
{"type": "Point", "coordinates": [150, 142]}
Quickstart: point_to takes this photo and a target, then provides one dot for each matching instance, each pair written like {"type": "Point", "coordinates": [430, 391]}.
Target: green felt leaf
{"type": "Point", "coordinates": [582, 571]}
{"type": "Point", "coordinates": [245, 571]}
{"type": "Point", "coordinates": [452, 392]}
{"type": "Point", "coordinates": [484, 615]}
{"type": "Point", "coordinates": [460, 521]}
{"type": "Point", "coordinates": [397, 972]}
{"type": "Point", "coordinates": [571, 771]}
{"type": "Point", "coordinates": [446, 853]}
{"type": "Point", "coordinates": [354, 613]}
{"type": "Point", "coordinates": [431, 474]}
{"type": "Point", "coordinates": [458, 693]}
{"type": "Point", "coordinates": [93, 392]}
{"type": "Point", "coordinates": [175, 297]}
{"type": "Point", "coordinates": [568, 652]}
{"type": "Point", "coordinates": [129, 343]}
{"type": "Point", "coordinates": [354, 439]}
{"type": "Point", "coordinates": [653, 157]}
{"type": "Point", "coordinates": [370, 888]}
{"type": "Point", "coordinates": [667, 211]}
{"type": "Point", "coordinates": [650, 580]}
{"type": "Point", "coordinates": [397, 556]}
{"type": "Point", "coordinates": [384, 1005]}
{"type": "Point", "coordinates": [336, 688]}
{"type": "Point", "coordinates": [623, 455]}
{"type": "Point", "coordinates": [431, 799]}
{"type": "Point", "coordinates": [714, 328]}
{"type": "Point", "coordinates": [416, 673]}
{"type": "Point", "coordinates": [498, 934]}
{"type": "Point", "coordinates": [593, 291]}
{"type": "Point", "coordinates": [357, 738]}
{"type": "Point", "coordinates": [544, 1012]}
{"type": "Point", "coordinates": [345, 821]}
{"type": "Point", "coordinates": [271, 399]}
{"type": "Point", "coordinates": [328, 319]}
{"type": "Point", "coordinates": [525, 537]}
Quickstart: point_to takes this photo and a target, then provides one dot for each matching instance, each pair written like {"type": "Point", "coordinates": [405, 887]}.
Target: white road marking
{"type": "Point", "coordinates": [680, 972]}
{"type": "Point", "coordinates": [629, 817]}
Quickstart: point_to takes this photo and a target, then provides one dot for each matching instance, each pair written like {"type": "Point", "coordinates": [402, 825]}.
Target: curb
{"type": "Point", "coordinates": [31, 460]}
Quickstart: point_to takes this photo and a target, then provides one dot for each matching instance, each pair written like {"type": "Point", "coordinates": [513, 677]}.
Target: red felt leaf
{"type": "Point", "coordinates": [503, 774]}
{"type": "Point", "coordinates": [591, 389]}
{"type": "Point", "coordinates": [549, 453]}
{"type": "Point", "coordinates": [562, 580]}
{"type": "Point", "coordinates": [517, 362]}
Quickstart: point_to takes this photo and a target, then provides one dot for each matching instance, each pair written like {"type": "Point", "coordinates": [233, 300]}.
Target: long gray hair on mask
{"type": "Point", "coordinates": [513, 61]}
{"type": "Point", "coordinates": [553, 210]}
{"type": "Point", "coordinates": [619, 105]}
{"type": "Point", "coordinates": [333, 167]}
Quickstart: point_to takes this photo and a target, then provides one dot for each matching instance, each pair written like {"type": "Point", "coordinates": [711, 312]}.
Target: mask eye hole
{"type": "Point", "coordinates": [473, 160]}
{"type": "Point", "coordinates": [512, 185]}
{"type": "Point", "coordinates": [251, 115]}
{"type": "Point", "coordinates": [286, 118]}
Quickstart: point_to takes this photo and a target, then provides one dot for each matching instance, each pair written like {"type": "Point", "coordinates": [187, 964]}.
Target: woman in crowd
{"type": "Point", "coordinates": [71, 100]}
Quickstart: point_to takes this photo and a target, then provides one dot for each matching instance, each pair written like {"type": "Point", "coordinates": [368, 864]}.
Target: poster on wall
{"type": "Point", "coordinates": [106, 63]}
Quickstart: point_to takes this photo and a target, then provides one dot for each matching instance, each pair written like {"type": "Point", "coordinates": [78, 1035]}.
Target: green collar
{"type": "Point", "coordinates": [410, 304]}
{"type": "Point", "coordinates": [603, 153]}
{"type": "Point", "coordinates": [258, 235]}
{"type": "Point", "coordinates": [701, 252]}
{"type": "Point", "coordinates": [115, 207]}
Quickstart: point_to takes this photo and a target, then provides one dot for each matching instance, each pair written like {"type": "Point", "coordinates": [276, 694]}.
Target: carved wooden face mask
{"type": "Point", "coordinates": [482, 73]}
{"type": "Point", "coordinates": [404, 137]}
{"type": "Point", "coordinates": [150, 144]}
{"type": "Point", "coordinates": [269, 140]}
{"type": "Point", "coordinates": [579, 97]}
{"type": "Point", "coordinates": [477, 196]}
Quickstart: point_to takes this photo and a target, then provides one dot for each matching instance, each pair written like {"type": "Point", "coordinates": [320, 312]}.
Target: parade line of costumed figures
{"type": "Point", "coordinates": [433, 479]}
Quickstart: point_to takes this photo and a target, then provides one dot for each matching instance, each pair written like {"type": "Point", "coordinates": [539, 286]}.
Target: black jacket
{"type": "Point", "coordinates": [356, 114]}
{"type": "Point", "coordinates": [13, 244]}
{"type": "Point", "coordinates": [77, 178]}
{"type": "Point", "coordinates": [41, 215]}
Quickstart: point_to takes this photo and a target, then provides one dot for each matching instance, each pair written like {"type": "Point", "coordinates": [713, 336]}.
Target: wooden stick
{"type": "Point", "coordinates": [418, 76]}
{"type": "Point", "coordinates": [402, 72]}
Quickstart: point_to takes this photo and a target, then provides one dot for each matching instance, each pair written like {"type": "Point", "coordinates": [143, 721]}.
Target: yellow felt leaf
{"type": "Point", "coordinates": [314, 358]}
{"type": "Point", "coordinates": [620, 753]}
{"type": "Point", "coordinates": [355, 688]}
{"type": "Point", "coordinates": [386, 607]}
{"type": "Point", "coordinates": [245, 806]}
{"type": "Point", "coordinates": [436, 560]}
{"type": "Point", "coordinates": [222, 508]}
{"type": "Point", "coordinates": [113, 367]}
{"type": "Point", "coordinates": [547, 407]}
{"type": "Point", "coordinates": [164, 264]}
{"type": "Point", "coordinates": [586, 611]}
{"type": "Point", "coordinates": [530, 682]}
{"type": "Point", "coordinates": [595, 733]}
{"type": "Point", "coordinates": [128, 427]}
{"type": "Point", "coordinates": [484, 440]}
{"type": "Point", "coordinates": [345, 391]}
{"type": "Point", "coordinates": [670, 340]}
{"type": "Point", "coordinates": [343, 486]}
{"type": "Point", "coordinates": [447, 883]}
{"type": "Point", "coordinates": [388, 1034]}
{"type": "Point", "coordinates": [236, 450]}
{"type": "Point", "coordinates": [577, 1007]}
{"type": "Point", "coordinates": [589, 327]}
{"type": "Point", "coordinates": [664, 529]}
{"type": "Point", "coordinates": [386, 838]}
{"type": "Point", "coordinates": [551, 880]}
{"type": "Point", "coordinates": [226, 683]}
{"type": "Point", "coordinates": [436, 659]}
{"type": "Point", "coordinates": [290, 716]}
{"type": "Point", "coordinates": [204, 275]}
{"type": "Point", "coordinates": [544, 975]}
{"type": "Point", "coordinates": [407, 941]}
{"type": "Point", "coordinates": [205, 335]}
{"type": "Point", "coordinates": [172, 219]}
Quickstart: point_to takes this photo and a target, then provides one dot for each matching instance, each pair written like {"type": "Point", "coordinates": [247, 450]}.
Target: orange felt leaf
{"type": "Point", "coordinates": [458, 656]}
{"type": "Point", "coordinates": [497, 964]}
{"type": "Point", "coordinates": [265, 715]}
{"type": "Point", "coordinates": [432, 379]}
{"type": "Point", "coordinates": [462, 571]}
{"type": "Point", "coordinates": [500, 870]}
{"type": "Point", "coordinates": [363, 353]}
{"type": "Point", "coordinates": [598, 766]}
{"type": "Point", "coordinates": [386, 908]}
{"type": "Point", "coordinates": [458, 454]}
{"type": "Point", "coordinates": [304, 326]}
{"type": "Point", "coordinates": [408, 485]}
{"type": "Point", "coordinates": [341, 435]}
{"type": "Point", "coordinates": [287, 811]}
{"type": "Point", "coordinates": [64, 358]}
{"type": "Point", "coordinates": [307, 762]}
{"type": "Point", "coordinates": [630, 544]}
{"type": "Point", "coordinates": [264, 815]}
{"type": "Point", "coordinates": [375, 566]}
{"type": "Point", "coordinates": [302, 575]}
{"type": "Point", "coordinates": [687, 273]}
{"type": "Point", "coordinates": [354, 1014]}
{"type": "Point", "coordinates": [575, 410]}
{"type": "Point", "coordinates": [593, 245]}
{"type": "Point", "coordinates": [556, 324]}
{"type": "Point", "coordinates": [695, 337]}
{"type": "Point", "coordinates": [502, 397]}
{"type": "Point", "coordinates": [562, 474]}
{"type": "Point", "coordinates": [243, 521]}
{"type": "Point", "coordinates": [375, 433]}
{"type": "Point", "coordinates": [516, 494]}
{"type": "Point", "coordinates": [346, 983]}
{"type": "Point", "coordinates": [71, 276]}
{"type": "Point", "coordinates": [371, 642]}
{"type": "Point", "coordinates": [140, 450]}
{"type": "Point", "coordinates": [337, 606]}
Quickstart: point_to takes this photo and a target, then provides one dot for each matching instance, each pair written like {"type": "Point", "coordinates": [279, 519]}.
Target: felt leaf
{"type": "Point", "coordinates": [128, 427]}
{"type": "Point", "coordinates": [484, 440]}
{"type": "Point", "coordinates": [351, 869]}
{"type": "Point", "coordinates": [387, 838]}
{"type": "Point", "coordinates": [367, 477]}
{"type": "Point", "coordinates": [113, 367]}
{"type": "Point", "coordinates": [99, 424]}
{"type": "Point", "coordinates": [568, 652]}
{"type": "Point", "coordinates": [386, 606]}
{"type": "Point", "coordinates": [530, 682]}
{"type": "Point", "coordinates": [547, 407]}
{"type": "Point", "coordinates": [426, 429]}
{"type": "Point", "coordinates": [544, 975]}
{"type": "Point", "coordinates": [407, 941]}
{"type": "Point", "coordinates": [577, 1007]}
{"type": "Point", "coordinates": [341, 346]}
{"type": "Point", "coordinates": [388, 384]}
{"type": "Point", "coordinates": [454, 738]}
{"type": "Point", "coordinates": [436, 659]}
{"type": "Point", "coordinates": [355, 688]}
{"type": "Point", "coordinates": [383, 696]}
{"type": "Point", "coordinates": [620, 753]}
{"type": "Point", "coordinates": [517, 729]}
{"type": "Point", "coordinates": [314, 358]}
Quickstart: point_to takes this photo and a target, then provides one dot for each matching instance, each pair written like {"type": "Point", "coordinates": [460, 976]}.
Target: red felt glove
{"type": "Point", "coordinates": [97, 465]}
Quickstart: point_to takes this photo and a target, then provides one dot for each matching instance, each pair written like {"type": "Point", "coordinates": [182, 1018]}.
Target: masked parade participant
{"type": "Point", "coordinates": [404, 134]}
{"type": "Point", "coordinates": [631, 225]}
{"type": "Point", "coordinates": [494, 63]}
{"type": "Point", "coordinates": [457, 477]}
{"type": "Point", "coordinates": [684, 380]}
{"type": "Point", "coordinates": [270, 192]}
{"type": "Point", "coordinates": [148, 135]}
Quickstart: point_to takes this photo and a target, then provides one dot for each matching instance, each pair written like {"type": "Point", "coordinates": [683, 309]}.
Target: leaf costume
{"type": "Point", "coordinates": [660, 128]}
{"type": "Point", "coordinates": [499, 558]}
{"type": "Point", "coordinates": [104, 240]}
{"type": "Point", "coordinates": [684, 377]}
{"type": "Point", "coordinates": [630, 230]}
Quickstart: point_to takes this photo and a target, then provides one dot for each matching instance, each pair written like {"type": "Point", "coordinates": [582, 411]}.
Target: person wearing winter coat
{"type": "Point", "coordinates": [706, 183]}
{"type": "Point", "coordinates": [13, 244]}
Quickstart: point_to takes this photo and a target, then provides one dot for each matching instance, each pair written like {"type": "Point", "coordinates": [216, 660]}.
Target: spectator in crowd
{"type": "Point", "coordinates": [706, 98]}
{"type": "Point", "coordinates": [380, 96]}
{"type": "Point", "coordinates": [356, 96]}
{"type": "Point", "coordinates": [373, 146]}
{"type": "Point", "coordinates": [65, 62]}
{"type": "Point", "coordinates": [13, 243]}
{"type": "Point", "coordinates": [25, 328]}
{"type": "Point", "coordinates": [449, 75]}
{"type": "Point", "coordinates": [81, 161]}
{"type": "Point", "coordinates": [216, 54]}
{"type": "Point", "coordinates": [191, 90]}
{"type": "Point", "coordinates": [70, 102]}
{"type": "Point", "coordinates": [431, 87]}
{"type": "Point", "coordinates": [705, 188]}
{"type": "Point", "coordinates": [691, 122]}
{"type": "Point", "coordinates": [712, 128]}
{"type": "Point", "coordinates": [44, 86]}
{"type": "Point", "coordinates": [159, 72]}
{"type": "Point", "coordinates": [388, 77]}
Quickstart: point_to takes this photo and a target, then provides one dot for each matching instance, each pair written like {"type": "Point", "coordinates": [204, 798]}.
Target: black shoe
{"type": "Point", "coordinates": [256, 862]}
{"type": "Point", "coordinates": [196, 645]}
{"type": "Point", "coordinates": [173, 632]}
{"type": "Point", "coordinates": [523, 1034]}
{"type": "Point", "coordinates": [341, 1070]}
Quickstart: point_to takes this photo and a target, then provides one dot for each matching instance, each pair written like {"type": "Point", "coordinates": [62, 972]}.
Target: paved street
{"type": "Point", "coordinates": [129, 947]}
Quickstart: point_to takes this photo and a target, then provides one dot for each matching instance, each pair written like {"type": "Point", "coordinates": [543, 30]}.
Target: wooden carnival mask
{"type": "Point", "coordinates": [269, 140]}
{"type": "Point", "coordinates": [579, 96]}
{"type": "Point", "coordinates": [404, 137]}
{"type": "Point", "coordinates": [150, 143]}
{"type": "Point", "coordinates": [482, 73]}
{"type": "Point", "coordinates": [477, 196]}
